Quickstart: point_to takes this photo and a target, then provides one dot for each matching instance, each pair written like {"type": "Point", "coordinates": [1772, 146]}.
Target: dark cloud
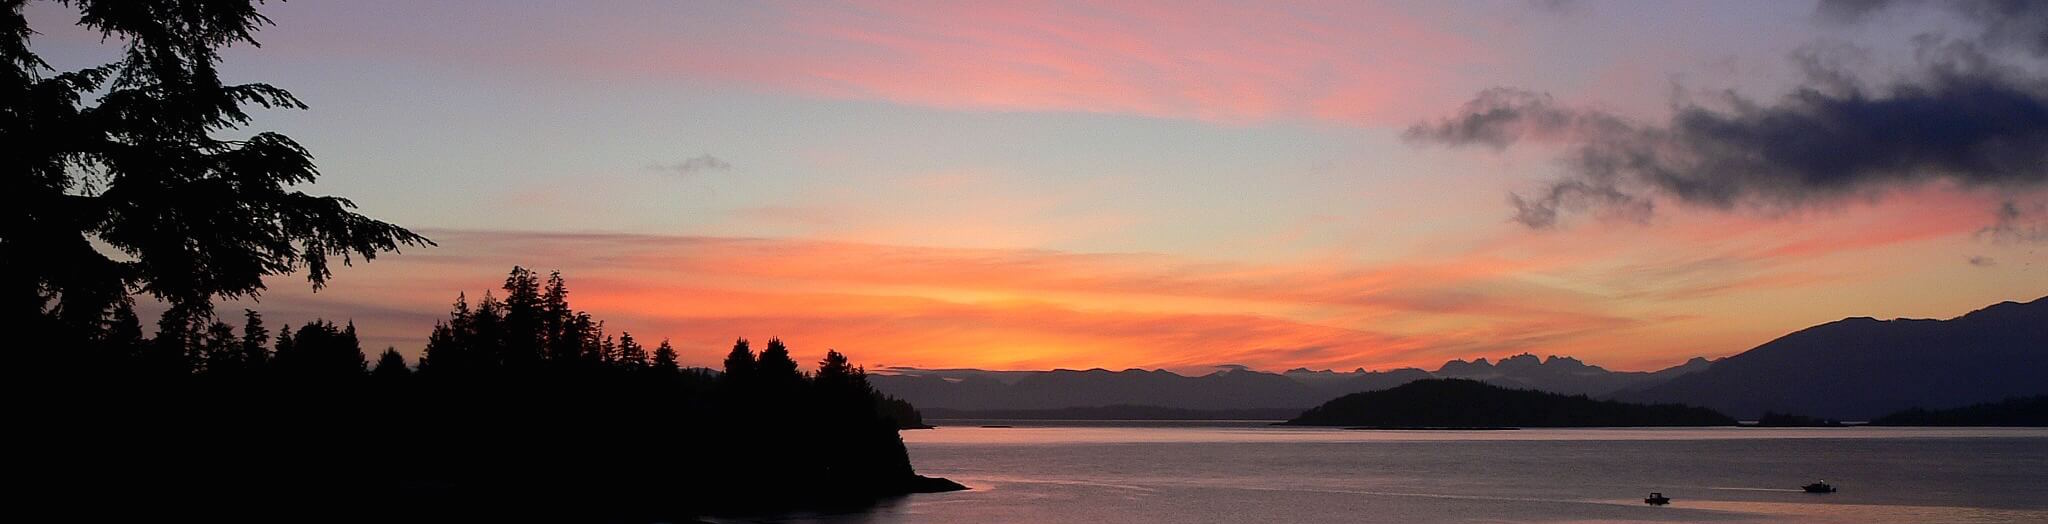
{"type": "Point", "coordinates": [694, 166]}
{"type": "Point", "coordinates": [1982, 261]}
{"type": "Point", "coordinates": [1963, 120]}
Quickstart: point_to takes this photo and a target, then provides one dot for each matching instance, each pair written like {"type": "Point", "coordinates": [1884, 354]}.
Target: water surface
{"type": "Point", "coordinates": [1051, 471]}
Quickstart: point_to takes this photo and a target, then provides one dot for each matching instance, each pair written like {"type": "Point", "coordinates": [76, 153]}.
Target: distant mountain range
{"type": "Point", "coordinates": [1862, 368]}
{"type": "Point", "coordinates": [1231, 393]}
{"type": "Point", "coordinates": [1852, 369]}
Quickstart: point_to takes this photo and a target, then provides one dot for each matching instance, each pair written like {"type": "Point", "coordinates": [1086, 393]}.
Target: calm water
{"type": "Point", "coordinates": [1211, 472]}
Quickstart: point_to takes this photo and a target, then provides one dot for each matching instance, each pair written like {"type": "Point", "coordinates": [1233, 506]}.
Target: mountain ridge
{"type": "Point", "coordinates": [1858, 368]}
{"type": "Point", "coordinates": [1234, 388]}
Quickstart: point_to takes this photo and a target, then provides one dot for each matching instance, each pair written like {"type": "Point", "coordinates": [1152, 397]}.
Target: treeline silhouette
{"type": "Point", "coordinates": [517, 405]}
{"type": "Point", "coordinates": [2012, 412]}
{"type": "Point", "coordinates": [1461, 403]}
{"type": "Point", "coordinates": [1773, 419]}
{"type": "Point", "coordinates": [135, 179]}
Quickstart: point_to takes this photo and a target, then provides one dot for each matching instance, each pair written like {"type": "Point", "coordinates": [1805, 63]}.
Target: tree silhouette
{"type": "Point", "coordinates": [524, 329]}
{"type": "Point", "coordinates": [775, 363]}
{"type": "Point", "coordinates": [221, 350]}
{"type": "Point", "coordinates": [838, 375]}
{"type": "Point", "coordinates": [298, 425]}
{"type": "Point", "coordinates": [140, 171]}
{"type": "Point", "coordinates": [631, 355]}
{"type": "Point", "coordinates": [121, 339]}
{"type": "Point", "coordinates": [390, 365]}
{"type": "Point", "coordinates": [255, 340]}
{"type": "Point", "coordinates": [665, 359]}
{"type": "Point", "coordinates": [740, 363]}
{"type": "Point", "coordinates": [322, 351]}
{"type": "Point", "coordinates": [559, 322]}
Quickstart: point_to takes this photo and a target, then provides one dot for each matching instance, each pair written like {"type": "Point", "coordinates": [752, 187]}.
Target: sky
{"type": "Point", "coordinates": [1176, 185]}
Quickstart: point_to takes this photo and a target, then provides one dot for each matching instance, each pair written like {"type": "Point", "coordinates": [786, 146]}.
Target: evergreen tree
{"type": "Point", "coordinates": [837, 373]}
{"type": "Point", "coordinates": [284, 343]}
{"type": "Point", "coordinates": [122, 338]}
{"type": "Point", "coordinates": [139, 173]}
{"type": "Point", "coordinates": [665, 358]}
{"type": "Point", "coordinates": [321, 350]}
{"type": "Point", "coordinates": [524, 329]}
{"type": "Point", "coordinates": [390, 365]}
{"type": "Point", "coordinates": [740, 363]}
{"type": "Point", "coordinates": [631, 355]}
{"type": "Point", "coordinates": [558, 322]}
{"type": "Point", "coordinates": [584, 334]}
{"type": "Point", "coordinates": [176, 344]}
{"type": "Point", "coordinates": [441, 354]}
{"type": "Point", "coordinates": [776, 364]}
{"type": "Point", "coordinates": [220, 350]}
{"type": "Point", "coordinates": [487, 333]}
{"type": "Point", "coordinates": [449, 347]}
{"type": "Point", "coordinates": [255, 340]}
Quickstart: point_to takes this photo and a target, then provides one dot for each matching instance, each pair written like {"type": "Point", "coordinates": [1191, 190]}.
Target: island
{"type": "Point", "coordinates": [1469, 404]}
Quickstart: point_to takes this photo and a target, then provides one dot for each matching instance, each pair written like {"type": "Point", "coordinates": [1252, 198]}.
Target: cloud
{"type": "Point", "coordinates": [694, 166]}
{"type": "Point", "coordinates": [2018, 222]}
{"type": "Point", "coordinates": [1982, 261]}
{"type": "Point", "coordinates": [2009, 23]}
{"type": "Point", "coordinates": [1963, 121]}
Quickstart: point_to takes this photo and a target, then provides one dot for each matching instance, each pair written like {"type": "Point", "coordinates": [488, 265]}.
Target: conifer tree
{"type": "Point", "coordinates": [524, 328]}
{"type": "Point", "coordinates": [776, 364]}
{"type": "Point", "coordinates": [138, 172]}
{"type": "Point", "coordinates": [558, 322]}
{"type": "Point", "coordinates": [631, 355]}
{"type": "Point", "coordinates": [285, 344]}
{"type": "Point", "coordinates": [321, 350]}
{"type": "Point", "coordinates": [390, 365]}
{"type": "Point", "coordinates": [220, 350]}
{"type": "Point", "coordinates": [176, 345]}
{"type": "Point", "coordinates": [255, 340]}
{"type": "Point", "coordinates": [740, 363]}
{"type": "Point", "coordinates": [665, 358]}
{"type": "Point", "coordinates": [487, 333]}
{"type": "Point", "coordinates": [122, 338]}
{"type": "Point", "coordinates": [836, 373]}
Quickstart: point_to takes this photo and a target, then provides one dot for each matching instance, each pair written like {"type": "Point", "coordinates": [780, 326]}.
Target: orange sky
{"type": "Point", "coordinates": [1125, 184]}
{"type": "Point", "coordinates": [1700, 285]}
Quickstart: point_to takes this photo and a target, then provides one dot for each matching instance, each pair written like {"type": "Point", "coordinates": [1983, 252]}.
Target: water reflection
{"type": "Point", "coordinates": [1040, 471]}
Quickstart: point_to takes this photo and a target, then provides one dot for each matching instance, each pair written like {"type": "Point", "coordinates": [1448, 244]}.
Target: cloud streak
{"type": "Point", "coordinates": [694, 166]}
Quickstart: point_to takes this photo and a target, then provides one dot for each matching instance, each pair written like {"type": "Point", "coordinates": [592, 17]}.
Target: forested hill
{"type": "Point", "coordinates": [2012, 412]}
{"type": "Point", "coordinates": [1459, 403]}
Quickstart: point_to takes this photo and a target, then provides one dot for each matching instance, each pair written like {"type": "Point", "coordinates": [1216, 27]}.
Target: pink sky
{"type": "Point", "coordinates": [1129, 184]}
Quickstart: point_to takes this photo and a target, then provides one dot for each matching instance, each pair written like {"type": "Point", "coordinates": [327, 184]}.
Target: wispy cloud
{"type": "Point", "coordinates": [694, 166]}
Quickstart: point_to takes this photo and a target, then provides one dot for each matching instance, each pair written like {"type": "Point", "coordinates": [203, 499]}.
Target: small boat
{"type": "Point", "coordinates": [1819, 487]}
{"type": "Point", "coordinates": [1657, 499]}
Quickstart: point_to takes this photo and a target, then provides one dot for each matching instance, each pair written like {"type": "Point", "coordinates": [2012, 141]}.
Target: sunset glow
{"type": "Point", "coordinates": [1068, 185]}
